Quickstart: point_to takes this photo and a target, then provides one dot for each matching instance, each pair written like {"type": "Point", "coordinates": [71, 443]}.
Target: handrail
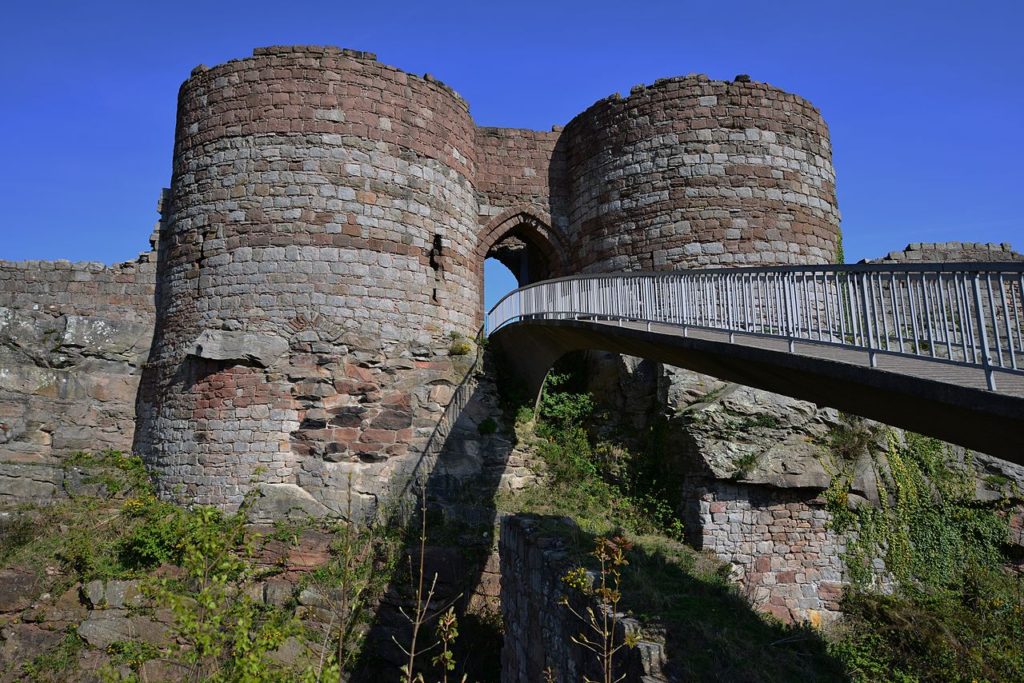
{"type": "Point", "coordinates": [1013, 267]}
{"type": "Point", "coordinates": [963, 313]}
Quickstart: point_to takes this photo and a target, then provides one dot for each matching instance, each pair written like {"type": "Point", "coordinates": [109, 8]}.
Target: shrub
{"type": "Point", "coordinates": [488, 426]}
{"type": "Point", "coordinates": [600, 633]}
{"type": "Point", "coordinates": [563, 408]}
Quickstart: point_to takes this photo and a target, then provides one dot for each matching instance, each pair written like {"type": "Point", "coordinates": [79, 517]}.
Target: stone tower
{"type": "Point", "coordinates": [322, 225]}
{"type": "Point", "coordinates": [327, 224]}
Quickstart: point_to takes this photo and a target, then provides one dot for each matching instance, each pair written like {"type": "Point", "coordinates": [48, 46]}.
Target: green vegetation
{"type": "Point", "coordinates": [459, 345]}
{"type": "Point", "coordinates": [199, 566]}
{"type": "Point", "coordinates": [594, 482]}
{"type": "Point", "coordinates": [55, 664]}
{"type": "Point", "coordinates": [956, 614]}
{"type": "Point", "coordinates": [487, 426]}
{"type": "Point", "coordinates": [682, 597]}
{"type": "Point", "coordinates": [745, 464]}
{"type": "Point", "coordinates": [113, 528]}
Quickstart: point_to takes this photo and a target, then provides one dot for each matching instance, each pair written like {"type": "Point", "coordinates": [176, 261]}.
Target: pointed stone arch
{"type": "Point", "coordinates": [522, 238]}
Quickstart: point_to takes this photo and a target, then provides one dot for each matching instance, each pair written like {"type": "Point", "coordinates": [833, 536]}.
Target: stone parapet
{"type": "Point", "coordinates": [952, 252]}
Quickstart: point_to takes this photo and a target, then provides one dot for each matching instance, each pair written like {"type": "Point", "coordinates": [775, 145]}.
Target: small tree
{"type": "Point", "coordinates": [447, 627]}
{"type": "Point", "coordinates": [599, 634]}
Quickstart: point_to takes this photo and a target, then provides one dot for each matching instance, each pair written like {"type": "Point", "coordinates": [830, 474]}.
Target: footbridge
{"type": "Point", "coordinates": [934, 348]}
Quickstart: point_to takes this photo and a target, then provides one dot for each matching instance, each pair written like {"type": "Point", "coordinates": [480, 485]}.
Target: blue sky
{"type": "Point", "coordinates": [923, 98]}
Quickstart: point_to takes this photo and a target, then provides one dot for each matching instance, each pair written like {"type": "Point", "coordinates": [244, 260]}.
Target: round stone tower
{"type": "Point", "coordinates": [315, 256]}
{"type": "Point", "coordinates": [324, 238]}
{"type": "Point", "coordinates": [691, 172]}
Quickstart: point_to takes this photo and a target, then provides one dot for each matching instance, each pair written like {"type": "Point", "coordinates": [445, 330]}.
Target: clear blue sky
{"type": "Point", "coordinates": [923, 98]}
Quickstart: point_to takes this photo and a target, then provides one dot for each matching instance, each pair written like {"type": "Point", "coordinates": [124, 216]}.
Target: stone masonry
{"type": "Point", "coordinates": [318, 267]}
{"type": "Point", "coordinates": [540, 630]}
{"type": "Point", "coordinates": [785, 557]}
{"type": "Point", "coordinates": [325, 232]}
{"type": "Point", "coordinates": [952, 252]}
{"type": "Point", "coordinates": [73, 339]}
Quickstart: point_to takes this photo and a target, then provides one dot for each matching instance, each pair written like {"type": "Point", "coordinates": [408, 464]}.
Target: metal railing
{"type": "Point", "coordinates": [961, 313]}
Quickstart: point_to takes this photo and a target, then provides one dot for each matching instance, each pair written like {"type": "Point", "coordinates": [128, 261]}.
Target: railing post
{"type": "Point", "coordinates": [787, 288]}
{"type": "Point", "coordinates": [868, 322]}
{"type": "Point", "coordinates": [985, 360]}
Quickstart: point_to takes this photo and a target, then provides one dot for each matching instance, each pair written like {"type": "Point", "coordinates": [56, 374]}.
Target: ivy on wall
{"type": "Point", "coordinates": [928, 527]}
{"type": "Point", "coordinates": [951, 610]}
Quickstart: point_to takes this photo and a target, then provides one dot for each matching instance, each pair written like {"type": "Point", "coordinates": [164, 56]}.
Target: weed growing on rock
{"type": "Point", "coordinates": [57, 664]}
{"type": "Point", "coordinates": [459, 345]}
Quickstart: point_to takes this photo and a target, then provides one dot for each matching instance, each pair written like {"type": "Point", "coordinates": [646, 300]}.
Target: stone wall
{"type": "Point", "coordinates": [324, 239]}
{"type": "Point", "coordinates": [785, 558]}
{"type": "Point", "coordinates": [538, 629]}
{"type": "Point", "coordinates": [694, 172]}
{"type": "Point", "coordinates": [746, 468]}
{"type": "Point", "coordinates": [73, 338]}
{"type": "Point", "coordinates": [519, 168]}
{"type": "Point", "coordinates": [951, 252]}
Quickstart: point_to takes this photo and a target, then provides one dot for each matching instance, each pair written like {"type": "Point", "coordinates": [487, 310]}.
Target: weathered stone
{"type": "Point", "coordinates": [112, 594]}
{"type": "Point", "coordinates": [242, 347]}
{"type": "Point", "coordinates": [285, 501]}
{"type": "Point", "coordinates": [66, 608]}
{"type": "Point", "coordinates": [105, 627]}
{"type": "Point", "coordinates": [22, 642]}
{"type": "Point", "coordinates": [163, 671]}
{"type": "Point", "coordinates": [17, 589]}
{"type": "Point", "coordinates": [294, 653]}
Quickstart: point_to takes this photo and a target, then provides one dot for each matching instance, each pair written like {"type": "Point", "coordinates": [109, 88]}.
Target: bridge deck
{"type": "Point", "coordinates": [827, 334]}
{"type": "Point", "coordinates": [1011, 383]}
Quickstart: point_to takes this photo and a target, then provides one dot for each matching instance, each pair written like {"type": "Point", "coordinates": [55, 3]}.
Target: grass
{"type": "Point", "coordinates": [58, 664]}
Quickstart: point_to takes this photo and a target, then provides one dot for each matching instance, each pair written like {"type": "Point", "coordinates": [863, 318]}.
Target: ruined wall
{"type": "Point", "coordinates": [539, 630]}
{"type": "Point", "coordinates": [73, 338]}
{"type": "Point", "coordinates": [316, 257]}
{"type": "Point", "coordinates": [325, 233]}
{"type": "Point", "coordinates": [786, 559]}
{"type": "Point", "coordinates": [694, 172]}
{"type": "Point", "coordinates": [951, 252]}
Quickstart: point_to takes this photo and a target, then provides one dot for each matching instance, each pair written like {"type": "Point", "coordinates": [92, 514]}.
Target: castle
{"type": "Point", "coordinates": [323, 240]}
{"type": "Point", "coordinates": [300, 328]}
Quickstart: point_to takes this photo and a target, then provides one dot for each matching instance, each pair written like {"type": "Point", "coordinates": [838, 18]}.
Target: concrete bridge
{"type": "Point", "coordinates": [934, 348]}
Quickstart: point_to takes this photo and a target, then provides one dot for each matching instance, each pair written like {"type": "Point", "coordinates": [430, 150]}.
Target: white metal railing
{"type": "Point", "coordinates": [962, 313]}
